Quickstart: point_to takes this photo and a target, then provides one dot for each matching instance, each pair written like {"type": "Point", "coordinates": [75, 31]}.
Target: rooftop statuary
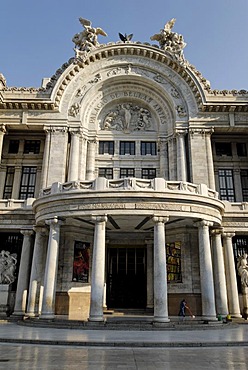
{"type": "Point", "coordinates": [170, 41]}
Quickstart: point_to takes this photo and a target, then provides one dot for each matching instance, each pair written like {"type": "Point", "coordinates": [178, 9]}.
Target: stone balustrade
{"type": "Point", "coordinates": [16, 203]}
{"type": "Point", "coordinates": [129, 184]}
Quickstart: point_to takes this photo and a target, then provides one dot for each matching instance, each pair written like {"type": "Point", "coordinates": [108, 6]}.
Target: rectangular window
{"type": "Point", "coordinates": [105, 172]}
{"type": "Point", "coordinates": [127, 172]}
{"type": "Point", "coordinates": [244, 184]}
{"type": "Point", "coordinates": [28, 180]}
{"type": "Point", "coordinates": [241, 149]}
{"type": "Point", "coordinates": [31, 146]}
{"type": "Point", "coordinates": [226, 185]}
{"type": "Point", "coordinates": [148, 147]}
{"type": "Point", "coordinates": [148, 173]}
{"type": "Point", "coordinates": [13, 146]}
{"type": "Point", "coordinates": [223, 149]}
{"type": "Point", "coordinates": [127, 147]}
{"type": "Point", "coordinates": [8, 186]}
{"type": "Point", "coordinates": [106, 147]}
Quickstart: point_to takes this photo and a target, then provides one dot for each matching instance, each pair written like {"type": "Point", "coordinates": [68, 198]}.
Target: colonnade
{"type": "Point", "coordinates": [36, 290]}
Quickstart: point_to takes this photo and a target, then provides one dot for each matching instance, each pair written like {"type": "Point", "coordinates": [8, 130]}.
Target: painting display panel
{"type": "Point", "coordinates": [81, 262]}
{"type": "Point", "coordinates": [173, 259]}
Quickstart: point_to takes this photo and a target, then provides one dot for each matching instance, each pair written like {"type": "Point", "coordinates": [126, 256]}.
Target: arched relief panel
{"type": "Point", "coordinates": [127, 107]}
{"type": "Point", "coordinates": [150, 74]}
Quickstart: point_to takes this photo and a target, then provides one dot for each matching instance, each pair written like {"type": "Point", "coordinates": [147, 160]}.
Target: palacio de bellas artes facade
{"type": "Point", "coordinates": [124, 186]}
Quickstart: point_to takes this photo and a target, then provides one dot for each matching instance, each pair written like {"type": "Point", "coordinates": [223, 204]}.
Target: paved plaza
{"type": "Point", "coordinates": [220, 347]}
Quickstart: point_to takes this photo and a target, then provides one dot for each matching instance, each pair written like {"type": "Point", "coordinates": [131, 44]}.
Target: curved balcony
{"type": "Point", "coordinates": [130, 199]}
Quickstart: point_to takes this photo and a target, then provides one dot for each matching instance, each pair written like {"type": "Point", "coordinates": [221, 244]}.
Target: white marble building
{"type": "Point", "coordinates": [124, 184]}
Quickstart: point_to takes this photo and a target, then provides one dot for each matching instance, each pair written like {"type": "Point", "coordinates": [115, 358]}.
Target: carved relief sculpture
{"type": "Point", "coordinates": [7, 267]}
{"type": "Point", "coordinates": [127, 117]}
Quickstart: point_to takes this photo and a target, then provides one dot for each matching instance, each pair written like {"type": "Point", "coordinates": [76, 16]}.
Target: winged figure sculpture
{"type": "Point", "coordinates": [126, 38]}
{"type": "Point", "coordinates": [87, 39]}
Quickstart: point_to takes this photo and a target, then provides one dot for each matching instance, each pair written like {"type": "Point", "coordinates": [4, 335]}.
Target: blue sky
{"type": "Point", "coordinates": [36, 35]}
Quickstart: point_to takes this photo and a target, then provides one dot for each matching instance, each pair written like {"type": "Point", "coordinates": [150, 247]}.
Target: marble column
{"type": "Point", "coordinates": [219, 274]}
{"type": "Point", "coordinates": [206, 272]}
{"type": "Point", "coordinates": [45, 162]}
{"type": "Point", "coordinates": [23, 276]}
{"type": "Point", "coordinates": [231, 279]}
{"type": "Point", "coordinates": [160, 273]}
{"type": "Point", "coordinates": [150, 277]}
{"type": "Point", "coordinates": [35, 286]}
{"type": "Point", "coordinates": [73, 172]}
{"type": "Point", "coordinates": [98, 270]}
{"type": "Point", "coordinates": [48, 304]}
{"type": "Point", "coordinates": [90, 161]}
{"type": "Point", "coordinates": [181, 156]}
{"type": "Point", "coordinates": [210, 162]}
{"type": "Point", "coordinates": [2, 133]}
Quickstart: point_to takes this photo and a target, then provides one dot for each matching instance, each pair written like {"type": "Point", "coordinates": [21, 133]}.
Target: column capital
{"type": "Point", "coordinates": [157, 219]}
{"type": "Point", "coordinates": [53, 221]}
{"type": "Point", "coordinates": [76, 131]}
{"type": "Point", "coordinates": [27, 232]}
{"type": "Point", "coordinates": [3, 129]}
{"type": "Point", "coordinates": [217, 231]}
{"type": "Point", "coordinates": [180, 132]}
{"type": "Point", "coordinates": [203, 223]}
{"type": "Point", "coordinates": [228, 234]}
{"type": "Point", "coordinates": [41, 229]}
{"type": "Point", "coordinates": [97, 219]}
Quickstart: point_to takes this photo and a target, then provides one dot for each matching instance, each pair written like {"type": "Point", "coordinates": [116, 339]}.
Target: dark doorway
{"type": "Point", "coordinates": [126, 277]}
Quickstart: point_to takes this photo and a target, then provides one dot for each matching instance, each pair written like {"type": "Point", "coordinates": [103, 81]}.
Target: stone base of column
{"type": "Point", "coordinates": [18, 313]}
{"type": "Point", "coordinates": [209, 318]}
{"type": "Point", "coordinates": [235, 315]}
{"type": "Point", "coordinates": [96, 319]}
{"type": "Point", "coordinates": [31, 314]}
{"type": "Point", "coordinates": [47, 316]}
{"type": "Point", "coordinates": [159, 319]}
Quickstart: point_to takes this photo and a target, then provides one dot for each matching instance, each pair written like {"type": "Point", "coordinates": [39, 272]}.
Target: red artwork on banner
{"type": "Point", "coordinates": [81, 262]}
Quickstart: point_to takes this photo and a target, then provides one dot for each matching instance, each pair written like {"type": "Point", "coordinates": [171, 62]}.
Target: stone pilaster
{"type": "Point", "coordinates": [210, 162]}
{"type": "Point", "coordinates": [45, 163]}
{"type": "Point", "coordinates": [181, 156]}
{"type": "Point", "coordinates": [219, 274]}
{"type": "Point", "coordinates": [231, 279]}
{"type": "Point", "coordinates": [2, 133]}
{"type": "Point", "coordinates": [206, 271]}
{"type": "Point", "coordinates": [48, 304]}
{"type": "Point", "coordinates": [163, 159]}
{"type": "Point", "coordinates": [37, 270]}
{"type": "Point", "coordinates": [160, 273]}
{"type": "Point", "coordinates": [17, 182]}
{"type": "Point", "coordinates": [90, 162]}
{"type": "Point", "coordinates": [73, 172]}
{"type": "Point", "coordinates": [98, 270]}
{"type": "Point", "coordinates": [23, 276]}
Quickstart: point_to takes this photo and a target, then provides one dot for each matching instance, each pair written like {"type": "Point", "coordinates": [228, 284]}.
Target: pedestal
{"type": "Point", "coordinates": [245, 302]}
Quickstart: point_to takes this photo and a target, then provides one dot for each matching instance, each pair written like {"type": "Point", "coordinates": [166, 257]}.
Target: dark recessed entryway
{"type": "Point", "coordinates": [126, 277]}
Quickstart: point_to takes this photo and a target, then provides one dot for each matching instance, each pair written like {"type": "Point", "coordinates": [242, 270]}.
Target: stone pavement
{"type": "Point", "coordinates": [195, 335]}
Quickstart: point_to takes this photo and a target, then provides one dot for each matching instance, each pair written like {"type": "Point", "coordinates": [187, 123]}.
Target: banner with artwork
{"type": "Point", "coordinates": [81, 262]}
{"type": "Point", "coordinates": [173, 259]}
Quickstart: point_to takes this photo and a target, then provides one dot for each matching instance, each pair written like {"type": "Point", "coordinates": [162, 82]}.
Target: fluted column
{"type": "Point", "coordinates": [23, 276]}
{"type": "Point", "coordinates": [38, 263]}
{"type": "Point", "coordinates": [98, 270]}
{"type": "Point", "coordinates": [48, 304]}
{"type": "Point", "coordinates": [210, 162]}
{"type": "Point", "coordinates": [219, 274]}
{"type": "Point", "coordinates": [160, 273]}
{"type": "Point", "coordinates": [90, 161]}
{"type": "Point", "coordinates": [231, 279]}
{"type": "Point", "coordinates": [181, 156]}
{"type": "Point", "coordinates": [73, 174]}
{"type": "Point", "coordinates": [2, 133]}
{"type": "Point", "coordinates": [206, 271]}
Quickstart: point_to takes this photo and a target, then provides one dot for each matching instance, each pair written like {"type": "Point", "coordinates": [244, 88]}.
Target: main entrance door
{"type": "Point", "coordinates": [126, 277]}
